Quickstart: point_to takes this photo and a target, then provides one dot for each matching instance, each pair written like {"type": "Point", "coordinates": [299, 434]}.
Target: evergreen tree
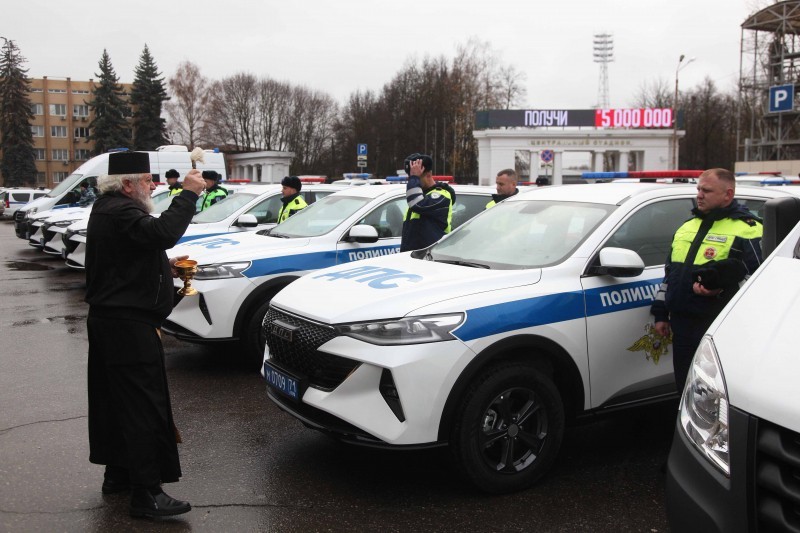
{"type": "Point", "coordinates": [147, 97]}
{"type": "Point", "coordinates": [109, 127]}
{"type": "Point", "coordinates": [18, 166]}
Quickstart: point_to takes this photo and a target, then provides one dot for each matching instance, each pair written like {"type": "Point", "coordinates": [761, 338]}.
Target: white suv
{"type": "Point", "coordinates": [531, 314]}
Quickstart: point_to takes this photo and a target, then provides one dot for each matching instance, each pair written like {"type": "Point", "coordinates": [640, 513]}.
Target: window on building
{"type": "Point", "coordinates": [59, 110]}
{"type": "Point", "coordinates": [38, 154]}
{"type": "Point", "coordinates": [36, 90]}
{"type": "Point", "coordinates": [80, 110]}
{"type": "Point", "coordinates": [80, 91]}
{"type": "Point", "coordinates": [37, 109]}
{"type": "Point", "coordinates": [37, 131]}
{"type": "Point", "coordinates": [58, 131]}
{"type": "Point", "coordinates": [60, 154]}
{"type": "Point", "coordinates": [82, 154]}
{"type": "Point", "coordinates": [56, 91]}
{"type": "Point", "coordinates": [59, 176]}
{"type": "Point", "coordinates": [41, 179]}
{"type": "Point", "coordinates": [81, 133]}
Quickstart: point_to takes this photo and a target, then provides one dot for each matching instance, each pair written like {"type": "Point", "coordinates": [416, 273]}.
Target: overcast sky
{"type": "Point", "coordinates": [340, 46]}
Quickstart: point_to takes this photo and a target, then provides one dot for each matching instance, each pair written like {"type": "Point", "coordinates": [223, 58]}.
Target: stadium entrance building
{"type": "Point", "coordinates": [260, 167]}
{"type": "Point", "coordinates": [617, 139]}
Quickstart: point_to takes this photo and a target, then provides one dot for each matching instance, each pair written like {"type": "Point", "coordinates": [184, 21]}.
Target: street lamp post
{"type": "Point", "coordinates": [681, 66]}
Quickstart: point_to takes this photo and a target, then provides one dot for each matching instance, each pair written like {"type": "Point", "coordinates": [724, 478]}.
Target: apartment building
{"type": "Point", "coordinates": [61, 126]}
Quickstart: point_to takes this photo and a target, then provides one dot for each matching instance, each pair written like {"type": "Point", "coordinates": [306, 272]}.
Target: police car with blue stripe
{"type": "Point", "coordinates": [238, 273]}
{"type": "Point", "coordinates": [531, 314]}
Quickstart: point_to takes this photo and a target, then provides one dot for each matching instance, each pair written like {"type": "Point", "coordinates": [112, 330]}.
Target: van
{"type": "Point", "coordinates": [734, 464]}
{"type": "Point", "coordinates": [13, 198]}
{"type": "Point", "coordinates": [67, 192]}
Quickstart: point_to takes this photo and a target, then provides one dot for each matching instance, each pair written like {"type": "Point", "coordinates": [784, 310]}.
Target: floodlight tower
{"type": "Point", "coordinates": [603, 54]}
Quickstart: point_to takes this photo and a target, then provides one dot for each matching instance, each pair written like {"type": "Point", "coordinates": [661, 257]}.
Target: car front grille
{"type": "Point", "coordinates": [300, 355]}
{"type": "Point", "coordinates": [19, 215]}
{"type": "Point", "coordinates": [777, 478]}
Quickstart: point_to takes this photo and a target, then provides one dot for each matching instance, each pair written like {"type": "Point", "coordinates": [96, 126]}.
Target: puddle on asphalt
{"type": "Point", "coordinates": [25, 266]}
{"type": "Point", "coordinates": [68, 319]}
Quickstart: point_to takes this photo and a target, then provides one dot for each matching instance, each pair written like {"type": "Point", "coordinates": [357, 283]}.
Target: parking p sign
{"type": "Point", "coordinates": [781, 98]}
{"type": "Point", "coordinates": [361, 149]}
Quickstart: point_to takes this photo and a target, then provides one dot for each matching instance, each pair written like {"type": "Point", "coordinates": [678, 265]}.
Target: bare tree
{"type": "Point", "coordinates": [656, 94]}
{"type": "Point", "coordinates": [187, 108]}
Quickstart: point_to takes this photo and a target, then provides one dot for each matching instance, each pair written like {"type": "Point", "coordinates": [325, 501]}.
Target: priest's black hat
{"type": "Point", "coordinates": [128, 163]}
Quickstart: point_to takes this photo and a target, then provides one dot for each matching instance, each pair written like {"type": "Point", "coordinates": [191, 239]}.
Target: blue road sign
{"type": "Point", "coordinates": [781, 98]}
{"type": "Point", "coordinates": [361, 149]}
{"type": "Point", "coordinates": [547, 155]}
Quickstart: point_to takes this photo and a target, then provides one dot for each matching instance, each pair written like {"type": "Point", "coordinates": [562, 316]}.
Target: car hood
{"type": "Point", "coordinates": [390, 287]}
{"type": "Point", "coordinates": [757, 346]}
{"type": "Point", "coordinates": [245, 246]}
{"type": "Point", "coordinates": [61, 214]}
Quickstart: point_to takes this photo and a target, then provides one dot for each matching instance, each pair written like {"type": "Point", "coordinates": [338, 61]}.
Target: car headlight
{"type": "Point", "coordinates": [222, 270]}
{"type": "Point", "coordinates": [410, 330]}
{"type": "Point", "coordinates": [704, 406]}
{"type": "Point", "coordinates": [63, 223]}
{"type": "Point", "coordinates": [30, 212]}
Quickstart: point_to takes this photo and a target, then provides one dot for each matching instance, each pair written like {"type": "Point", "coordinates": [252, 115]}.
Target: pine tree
{"type": "Point", "coordinates": [18, 165]}
{"type": "Point", "coordinates": [109, 127]}
{"type": "Point", "coordinates": [147, 97]}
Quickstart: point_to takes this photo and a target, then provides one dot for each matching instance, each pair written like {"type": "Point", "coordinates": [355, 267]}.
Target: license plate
{"type": "Point", "coordinates": [282, 382]}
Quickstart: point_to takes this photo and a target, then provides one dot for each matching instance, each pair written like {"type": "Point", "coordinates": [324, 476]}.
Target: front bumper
{"type": "Point", "coordinates": [210, 315]}
{"type": "Point", "coordinates": [339, 397]}
{"type": "Point", "coordinates": [762, 493]}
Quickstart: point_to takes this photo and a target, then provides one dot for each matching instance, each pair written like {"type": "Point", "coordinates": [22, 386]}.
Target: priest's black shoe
{"type": "Point", "coordinates": [146, 504]}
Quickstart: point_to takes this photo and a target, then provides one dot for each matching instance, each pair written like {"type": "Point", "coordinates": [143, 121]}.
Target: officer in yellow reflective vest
{"type": "Point", "coordinates": [506, 185]}
{"type": "Point", "coordinates": [292, 201]}
{"type": "Point", "coordinates": [712, 253]}
{"type": "Point", "coordinates": [172, 176]}
{"type": "Point", "coordinates": [430, 205]}
{"type": "Point", "coordinates": [214, 192]}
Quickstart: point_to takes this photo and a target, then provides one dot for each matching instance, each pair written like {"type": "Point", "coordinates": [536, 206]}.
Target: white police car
{"type": "Point", "coordinates": [529, 315]}
{"type": "Point", "coordinates": [239, 273]}
{"type": "Point", "coordinates": [253, 207]}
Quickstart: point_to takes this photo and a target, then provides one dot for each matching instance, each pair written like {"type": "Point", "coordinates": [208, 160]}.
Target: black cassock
{"type": "Point", "coordinates": [130, 416]}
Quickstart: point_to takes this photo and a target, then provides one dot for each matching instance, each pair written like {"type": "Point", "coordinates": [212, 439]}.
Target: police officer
{"type": "Point", "coordinates": [172, 176]}
{"type": "Point", "coordinates": [430, 205]}
{"type": "Point", "coordinates": [712, 253]}
{"type": "Point", "coordinates": [292, 201]}
{"type": "Point", "coordinates": [214, 192]}
{"type": "Point", "coordinates": [506, 184]}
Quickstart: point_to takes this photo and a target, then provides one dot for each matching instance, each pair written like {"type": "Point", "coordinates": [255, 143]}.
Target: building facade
{"type": "Point", "coordinates": [60, 126]}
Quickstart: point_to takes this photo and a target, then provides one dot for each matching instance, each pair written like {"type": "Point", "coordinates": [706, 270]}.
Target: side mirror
{"type": "Point", "coordinates": [362, 233]}
{"type": "Point", "coordinates": [247, 221]}
{"type": "Point", "coordinates": [619, 263]}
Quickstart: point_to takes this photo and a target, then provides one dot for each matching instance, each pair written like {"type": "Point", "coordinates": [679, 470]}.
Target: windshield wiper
{"type": "Point", "coordinates": [463, 263]}
{"type": "Point", "coordinates": [278, 235]}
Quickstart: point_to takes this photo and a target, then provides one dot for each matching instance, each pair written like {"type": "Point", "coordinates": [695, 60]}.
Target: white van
{"type": "Point", "coordinates": [735, 458]}
{"type": "Point", "coordinates": [67, 192]}
{"type": "Point", "coordinates": [14, 198]}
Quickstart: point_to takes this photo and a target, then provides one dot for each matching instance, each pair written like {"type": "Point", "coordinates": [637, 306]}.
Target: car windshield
{"type": "Point", "coordinates": [65, 185]}
{"type": "Point", "coordinates": [519, 235]}
{"type": "Point", "coordinates": [223, 209]}
{"type": "Point", "coordinates": [320, 217]}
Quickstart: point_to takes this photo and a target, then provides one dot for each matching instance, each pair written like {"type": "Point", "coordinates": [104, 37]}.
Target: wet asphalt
{"type": "Point", "coordinates": [249, 467]}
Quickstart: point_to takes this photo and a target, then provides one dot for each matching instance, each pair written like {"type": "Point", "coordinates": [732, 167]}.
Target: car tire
{"type": "Point", "coordinates": [508, 428]}
{"type": "Point", "coordinates": [253, 338]}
